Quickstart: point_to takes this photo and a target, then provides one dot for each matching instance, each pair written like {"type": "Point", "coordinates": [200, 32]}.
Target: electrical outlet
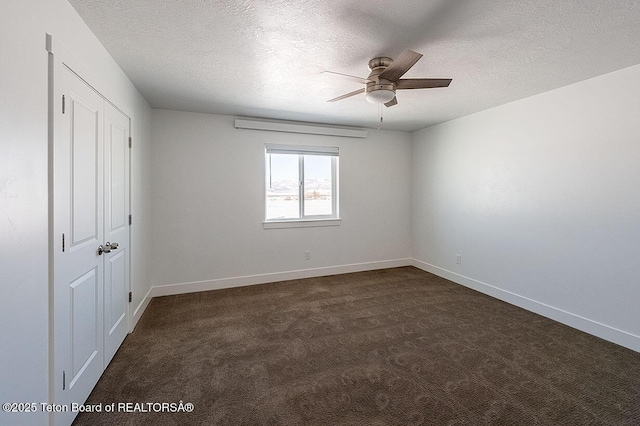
{"type": "Point", "coordinates": [458, 259]}
{"type": "Point", "coordinates": [307, 255]}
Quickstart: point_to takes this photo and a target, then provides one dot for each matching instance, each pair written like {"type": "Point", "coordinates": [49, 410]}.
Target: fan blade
{"type": "Point", "coordinates": [392, 102]}
{"type": "Point", "coordinates": [422, 83]}
{"type": "Point", "coordinates": [350, 77]}
{"type": "Point", "coordinates": [348, 95]}
{"type": "Point", "coordinates": [401, 65]}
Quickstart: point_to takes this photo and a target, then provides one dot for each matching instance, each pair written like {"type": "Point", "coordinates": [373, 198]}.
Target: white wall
{"type": "Point", "coordinates": [541, 197]}
{"type": "Point", "coordinates": [208, 203]}
{"type": "Point", "coordinates": [24, 316]}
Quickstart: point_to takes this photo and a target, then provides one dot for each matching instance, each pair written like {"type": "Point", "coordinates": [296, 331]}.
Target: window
{"type": "Point", "coordinates": [301, 183]}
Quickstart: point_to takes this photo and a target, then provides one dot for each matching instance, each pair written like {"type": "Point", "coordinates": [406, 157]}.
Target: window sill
{"type": "Point", "coordinates": [304, 223]}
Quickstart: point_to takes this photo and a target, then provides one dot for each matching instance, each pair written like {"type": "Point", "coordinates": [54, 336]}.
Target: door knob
{"type": "Point", "coordinates": [107, 247]}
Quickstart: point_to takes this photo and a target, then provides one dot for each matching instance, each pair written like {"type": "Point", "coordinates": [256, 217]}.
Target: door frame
{"type": "Point", "coordinates": [58, 55]}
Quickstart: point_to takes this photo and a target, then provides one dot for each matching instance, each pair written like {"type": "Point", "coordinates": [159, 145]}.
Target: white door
{"type": "Point", "coordinates": [77, 210]}
{"type": "Point", "coordinates": [90, 187]}
{"type": "Point", "coordinates": [116, 229]}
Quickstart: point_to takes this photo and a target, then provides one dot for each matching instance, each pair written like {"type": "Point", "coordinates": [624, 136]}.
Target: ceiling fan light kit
{"type": "Point", "coordinates": [384, 79]}
{"type": "Point", "coordinates": [380, 96]}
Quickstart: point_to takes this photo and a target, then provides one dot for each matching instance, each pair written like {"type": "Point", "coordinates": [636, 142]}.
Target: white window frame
{"type": "Point", "coordinates": [303, 220]}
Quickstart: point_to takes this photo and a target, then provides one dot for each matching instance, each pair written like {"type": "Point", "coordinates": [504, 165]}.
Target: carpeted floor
{"type": "Point", "coordinates": [389, 347]}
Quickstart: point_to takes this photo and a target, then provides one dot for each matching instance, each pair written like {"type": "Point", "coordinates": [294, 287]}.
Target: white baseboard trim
{"type": "Point", "coordinates": [137, 313]}
{"type": "Point", "coordinates": [217, 284]}
{"type": "Point", "coordinates": [595, 328]}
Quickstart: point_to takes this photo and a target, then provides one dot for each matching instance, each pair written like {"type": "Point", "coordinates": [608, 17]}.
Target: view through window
{"type": "Point", "coordinates": [301, 183]}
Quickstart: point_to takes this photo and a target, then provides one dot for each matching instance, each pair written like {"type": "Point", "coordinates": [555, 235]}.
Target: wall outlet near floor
{"type": "Point", "coordinates": [458, 259]}
{"type": "Point", "coordinates": [307, 255]}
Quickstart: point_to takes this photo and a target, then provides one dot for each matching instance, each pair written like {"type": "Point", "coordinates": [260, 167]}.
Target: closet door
{"type": "Point", "coordinates": [116, 229]}
{"type": "Point", "coordinates": [78, 269]}
{"type": "Point", "coordinates": [90, 236]}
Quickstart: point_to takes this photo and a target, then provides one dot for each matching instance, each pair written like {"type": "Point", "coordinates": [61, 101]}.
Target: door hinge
{"type": "Point", "coordinates": [63, 104]}
{"type": "Point", "coordinates": [130, 219]}
{"type": "Point", "coordinates": [63, 380]}
{"type": "Point", "coordinates": [130, 142]}
{"type": "Point", "coordinates": [130, 297]}
{"type": "Point", "coordinates": [63, 242]}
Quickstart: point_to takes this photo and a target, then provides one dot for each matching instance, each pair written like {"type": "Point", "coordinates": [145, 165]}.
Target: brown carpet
{"type": "Point", "coordinates": [389, 347]}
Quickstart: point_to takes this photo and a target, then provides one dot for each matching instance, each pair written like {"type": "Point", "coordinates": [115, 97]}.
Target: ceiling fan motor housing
{"type": "Point", "coordinates": [379, 90]}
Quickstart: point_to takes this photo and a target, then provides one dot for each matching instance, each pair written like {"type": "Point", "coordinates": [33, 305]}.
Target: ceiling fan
{"type": "Point", "coordinates": [384, 79]}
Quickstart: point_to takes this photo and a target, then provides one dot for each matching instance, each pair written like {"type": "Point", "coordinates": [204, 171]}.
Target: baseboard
{"type": "Point", "coordinates": [217, 284]}
{"type": "Point", "coordinates": [595, 328]}
{"type": "Point", "coordinates": [137, 313]}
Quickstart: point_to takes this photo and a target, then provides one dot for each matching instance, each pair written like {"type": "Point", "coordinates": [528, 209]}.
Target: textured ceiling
{"type": "Point", "coordinates": [264, 58]}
